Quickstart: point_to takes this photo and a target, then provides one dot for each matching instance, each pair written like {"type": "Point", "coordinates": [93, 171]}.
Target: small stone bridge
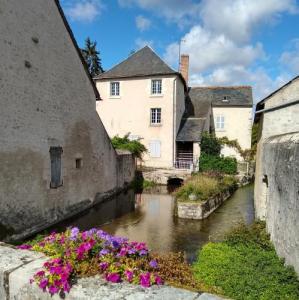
{"type": "Point", "coordinates": [166, 176]}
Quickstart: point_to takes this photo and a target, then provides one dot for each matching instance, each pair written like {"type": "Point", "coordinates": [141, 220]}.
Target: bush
{"type": "Point", "coordinates": [205, 187]}
{"type": "Point", "coordinates": [227, 165]}
{"type": "Point", "coordinates": [210, 144]}
{"type": "Point", "coordinates": [136, 147]}
{"type": "Point", "coordinates": [245, 266]}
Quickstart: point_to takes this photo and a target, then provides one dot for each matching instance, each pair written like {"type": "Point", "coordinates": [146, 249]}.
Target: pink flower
{"type": "Point", "coordinates": [40, 273]}
{"type": "Point", "coordinates": [129, 275]}
{"type": "Point", "coordinates": [145, 279]}
{"type": "Point", "coordinates": [43, 283]}
{"type": "Point", "coordinates": [113, 277]}
{"type": "Point", "coordinates": [158, 280]}
{"type": "Point", "coordinates": [53, 289]}
{"type": "Point", "coordinates": [104, 265]}
{"type": "Point", "coordinates": [24, 247]}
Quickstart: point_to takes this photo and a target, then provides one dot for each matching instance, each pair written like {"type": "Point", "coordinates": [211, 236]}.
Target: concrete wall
{"type": "Point", "coordinates": [281, 166]}
{"type": "Point", "coordinates": [237, 125]}
{"type": "Point", "coordinates": [130, 113]}
{"type": "Point", "coordinates": [46, 100]}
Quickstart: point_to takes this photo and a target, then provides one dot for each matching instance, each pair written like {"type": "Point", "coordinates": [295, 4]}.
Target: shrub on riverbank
{"type": "Point", "coordinates": [246, 266]}
{"type": "Point", "coordinates": [204, 187]}
{"type": "Point", "coordinates": [226, 165]}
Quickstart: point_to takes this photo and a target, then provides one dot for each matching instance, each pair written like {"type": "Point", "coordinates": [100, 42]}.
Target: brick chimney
{"type": "Point", "coordinates": [184, 67]}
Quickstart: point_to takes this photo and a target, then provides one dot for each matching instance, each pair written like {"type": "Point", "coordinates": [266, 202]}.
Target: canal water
{"type": "Point", "coordinates": [149, 217]}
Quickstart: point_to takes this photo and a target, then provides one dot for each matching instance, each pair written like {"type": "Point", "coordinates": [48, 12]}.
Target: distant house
{"type": "Point", "coordinates": [143, 96]}
{"type": "Point", "coordinates": [276, 194]}
{"type": "Point", "coordinates": [56, 158]}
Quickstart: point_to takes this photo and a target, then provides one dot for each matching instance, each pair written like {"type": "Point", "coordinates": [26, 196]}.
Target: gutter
{"type": "Point", "coordinates": [277, 107]}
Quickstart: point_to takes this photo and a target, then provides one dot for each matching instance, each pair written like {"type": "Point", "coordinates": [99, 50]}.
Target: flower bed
{"type": "Point", "coordinates": [74, 254]}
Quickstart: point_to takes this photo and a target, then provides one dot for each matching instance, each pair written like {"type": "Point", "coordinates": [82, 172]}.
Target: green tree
{"type": "Point", "coordinates": [210, 144]}
{"type": "Point", "coordinates": [92, 57]}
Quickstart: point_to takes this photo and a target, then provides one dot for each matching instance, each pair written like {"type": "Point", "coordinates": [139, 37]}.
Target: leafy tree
{"type": "Point", "coordinates": [92, 57]}
{"type": "Point", "coordinates": [210, 144]}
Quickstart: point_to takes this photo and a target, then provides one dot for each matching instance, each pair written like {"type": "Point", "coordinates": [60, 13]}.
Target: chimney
{"type": "Point", "coordinates": [184, 67]}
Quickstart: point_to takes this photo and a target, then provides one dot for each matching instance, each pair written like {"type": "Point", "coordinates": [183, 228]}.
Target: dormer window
{"type": "Point", "coordinates": [225, 99]}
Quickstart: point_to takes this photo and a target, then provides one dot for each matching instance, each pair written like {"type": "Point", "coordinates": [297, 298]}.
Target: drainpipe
{"type": "Point", "coordinates": [174, 123]}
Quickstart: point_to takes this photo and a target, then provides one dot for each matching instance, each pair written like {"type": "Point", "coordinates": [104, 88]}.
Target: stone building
{"type": "Point", "coordinates": [277, 169]}
{"type": "Point", "coordinates": [56, 158]}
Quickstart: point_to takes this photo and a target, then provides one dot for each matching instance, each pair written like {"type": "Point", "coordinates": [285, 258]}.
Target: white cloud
{"type": "Point", "coordinates": [143, 23]}
{"type": "Point", "coordinates": [208, 51]}
{"type": "Point", "coordinates": [140, 43]}
{"type": "Point", "coordinates": [291, 58]}
{"type": "Point", "coordinates": [83, 10]}
{"type": "Point", "coordinates": [238, 18]}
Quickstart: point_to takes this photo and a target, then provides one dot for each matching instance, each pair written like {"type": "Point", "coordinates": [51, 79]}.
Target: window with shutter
{"type": "Point", "coordinates": [155, 148]}
{"type": "Point", "coordinates": [55, 157]}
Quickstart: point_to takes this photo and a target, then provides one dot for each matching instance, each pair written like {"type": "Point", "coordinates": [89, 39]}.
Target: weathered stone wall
{"type": "Point", "coordinates": [17, 267]}
{"type": "Point", "coordinates": [47, 100]}
{"type": "Point", "coordinates": [281, 168]}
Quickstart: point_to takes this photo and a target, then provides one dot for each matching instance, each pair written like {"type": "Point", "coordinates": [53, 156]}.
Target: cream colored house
{"type": "Point", "coordinates": [143, 96]}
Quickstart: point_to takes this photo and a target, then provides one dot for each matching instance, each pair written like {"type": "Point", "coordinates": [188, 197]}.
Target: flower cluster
{"type": "Point", "coordinates": [76, 253]}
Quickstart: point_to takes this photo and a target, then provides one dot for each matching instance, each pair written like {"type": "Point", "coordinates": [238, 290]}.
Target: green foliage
{"type": "Point", "coordinates": [210, 144]}
{"type": "Point", "coordinates": [204, 187]}
{"type": "Point", "coordinates": [245, 266]}
{"type": "Point", "coordinates": [254, 138]}
{"type": "Point", "coordinates": [227, 165]}
{"type": "Point", "coordinates": [136, 147]}
{"type": "Point", "coordinates": [92, 57]}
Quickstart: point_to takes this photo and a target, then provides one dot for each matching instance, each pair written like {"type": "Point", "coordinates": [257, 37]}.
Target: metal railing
{"type": "Point", "coordinates": [184, 164]}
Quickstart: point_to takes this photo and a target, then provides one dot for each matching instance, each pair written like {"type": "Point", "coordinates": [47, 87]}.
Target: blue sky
{"type": "Point", "coordinates": [230, 42]}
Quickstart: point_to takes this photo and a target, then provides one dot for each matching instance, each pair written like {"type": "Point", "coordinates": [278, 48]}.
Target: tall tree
{"type": "Point", "coordinates": [92, 57]}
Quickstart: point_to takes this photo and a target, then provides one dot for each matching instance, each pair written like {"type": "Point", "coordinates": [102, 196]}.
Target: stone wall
{"type": "Point", "coordinates": [17, 267]}
{"type": "Point", "coordinates": [201, 210]}
{"type": "Point", "coordinates": [48, 100]}
{"type": "Point", "coordinates": [281, 187]}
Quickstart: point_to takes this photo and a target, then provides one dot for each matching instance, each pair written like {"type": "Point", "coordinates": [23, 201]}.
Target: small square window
{"type": "Point", "coordinates": [157, 87]}
{"type": "Point", "coordinates": [78, 163]}
{"type": "Point", "coordinates": [114, 89]}
{"type": "Point", "coordinates": [155, 116]}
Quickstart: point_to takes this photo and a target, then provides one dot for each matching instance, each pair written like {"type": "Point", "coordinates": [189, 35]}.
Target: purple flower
{"type": "Point", "coordinates": [53, 290]}
{"type": "Point", "coordinates": [132, 251]}
{"type": "Point", "coordinates": [104, 265]}
{"type": "Point", "coordinates": [145, 279]}
{"type": "Point", "coordinates": [113, 277]}
{"type": "Point", "coordinates": [66, 287]}
{"type": "Point", "coordinates": [43, 283]}
{"type": "Point", "coordinates": [153, 263]}
{"type": "Point", "coordinates": [104, 252]}
{"type": "Point", "coordinates": [74, 233]}
{"type": "Point", "coordinates": [115, 244]}
{"type": "Point", "coordinates": [143, 252]}
{"type": "Point", "coordinates": [40, 273]}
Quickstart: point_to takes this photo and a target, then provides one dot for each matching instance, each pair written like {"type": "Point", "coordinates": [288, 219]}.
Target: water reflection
{"type": "Point", "coordinates": [153, 221]}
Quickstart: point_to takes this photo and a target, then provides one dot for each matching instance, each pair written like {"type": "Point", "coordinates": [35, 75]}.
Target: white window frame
{"type": "Point", "coordinates": [156, 87]}
{"type": "Point", "coordinates": [155, 148]}
{"type": "Point", "coordinates": [156, 116]}
{"type": "Point", "coordinates": [114, 89]}
{"type": "Point", "coordinates": [220, 122]}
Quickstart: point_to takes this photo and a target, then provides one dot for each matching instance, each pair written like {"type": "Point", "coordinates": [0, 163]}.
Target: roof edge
{"type": "Point", "coordinates": [69, 30]}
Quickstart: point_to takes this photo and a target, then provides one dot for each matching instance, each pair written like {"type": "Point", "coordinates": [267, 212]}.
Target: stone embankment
{"type": "Point", "coordinates": [18, 266]}
{"type": "Point", "coordinates": [201, 209]}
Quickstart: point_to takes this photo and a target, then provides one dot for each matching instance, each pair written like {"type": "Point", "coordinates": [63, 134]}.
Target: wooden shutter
{"type": "Point", "coordinates": [155, 148]}
{"type": "Point", "coordinates": [55, 157]}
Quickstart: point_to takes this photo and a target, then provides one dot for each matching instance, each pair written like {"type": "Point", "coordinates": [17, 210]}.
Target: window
{"type": "Point", "coordinates": [78, 163]}
{"type": "Point", "coordinates": [155, 148]}
{"type": "Point", "coordinates": [220, 122]}
{"type": "Point", "coordinates": [156, 87]}
{"type": "Point", "coordinates": [155, 115]}
{"type": "Point", "coordinates": [225, 99]}
{"type": "Point", "coordinates": [114, 89]}
{"type": "Point", "coordinates": [55, 157]}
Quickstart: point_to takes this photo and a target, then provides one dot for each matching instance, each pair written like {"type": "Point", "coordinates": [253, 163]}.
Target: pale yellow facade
{"type": "Point", "coordinates": [237, 125]}
{"type": "Point", "coordinates": [130, 112]}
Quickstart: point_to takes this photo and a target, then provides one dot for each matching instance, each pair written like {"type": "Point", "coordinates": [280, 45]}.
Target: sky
{"type": "Point", "coordinates": [230, 42]}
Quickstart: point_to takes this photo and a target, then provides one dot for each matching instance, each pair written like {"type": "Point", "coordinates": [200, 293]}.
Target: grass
{"type": "Point", "coordinates": [204, 187]}
{"type": "Point", "coordinates": [245, 266]}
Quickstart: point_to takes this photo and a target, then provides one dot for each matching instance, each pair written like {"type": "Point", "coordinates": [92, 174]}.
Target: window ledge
{"type": "Point", "coordinates": [156, 95]}
{"type": "Point", "coordinates": [114, 97]}
{"type": "Point", "coordinates": [156, 125]}
{"type": "Point", "coordinates": [220, 130]}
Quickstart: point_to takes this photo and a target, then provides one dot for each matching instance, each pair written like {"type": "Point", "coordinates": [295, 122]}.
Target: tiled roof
{"type": "Point", "coordinates": [144, 62]}
{"type": "Point", "coordinates": [190, 130]}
